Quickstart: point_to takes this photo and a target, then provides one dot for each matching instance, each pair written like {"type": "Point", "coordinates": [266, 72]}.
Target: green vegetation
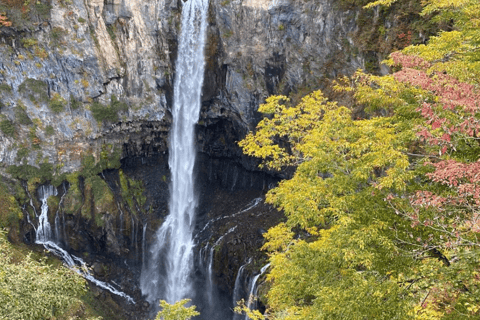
{"type": "Point", "coordinates": [74, 103]}
{"type": "Point", "coordinates": [57, 103]}
{"type": "Point", "coordinates": [10, 213]}
{"type": "Point", "coordinates": [35, 89]}
{"type": "Point", "coordinates": [27, 172]}
{"type": "Point", "coordinates": [97, 192]}
{"type": "Point", "coordinates": [73, 199]}
{"type": "Point", "coordinates": [56, 34]}
{"type": "Point", "coordinates": [7, 127]}
{"type": "Point", "coordinates": [111, 31]}
{"type": "Point", "coordinates": [382, 211]}
{"type": "Point", "coordinates": [22, 14]}
{"type": "Point", "coordinates": [21, 115]}
{"type": "Point", "coordinates": [49, 130]}
{"type": "Point", "coordinates": [176, 311]}
{"type": "Point", "coordinates": [5, 88]}
{"type": "Point", "coordinates": [35, 290]}
{"type": "Point", "coordinates": [29, 42]}
{"type": "Point", "coordinates": [132, 190]}
{"type": "Point", "coordinates": [108, 113]}
{"type": "Point", "coordinates": [22, 153]}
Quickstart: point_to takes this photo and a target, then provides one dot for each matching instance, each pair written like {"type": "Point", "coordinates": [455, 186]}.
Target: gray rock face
{"type": "Point", "coordinates": [273, 47]}
{"type": "Point", "coordinates": [88, 51]}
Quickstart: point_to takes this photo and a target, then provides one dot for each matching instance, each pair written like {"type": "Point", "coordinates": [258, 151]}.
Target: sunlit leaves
{"type": "Point", "coordinates": [34, 290]}
{"type": "Point", "coordinates": [176, 311]}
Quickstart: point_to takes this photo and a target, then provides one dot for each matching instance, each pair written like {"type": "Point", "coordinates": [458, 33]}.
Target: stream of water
{"type": "Point", "coordinates": [167, 273]}
{"type": "Point", "coordinates": [45, 237]}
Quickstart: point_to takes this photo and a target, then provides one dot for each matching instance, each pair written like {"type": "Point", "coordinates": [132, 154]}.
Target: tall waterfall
{"type": "Point", "coordinates": [167, 273]}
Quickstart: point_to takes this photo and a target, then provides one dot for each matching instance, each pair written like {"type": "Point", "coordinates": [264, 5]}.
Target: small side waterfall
{"type": "Point", "coordinates": [252, 294]}
{"type": "Point", "coordinates": [44, 236]}
{"type": "Point", "coordinates": [44, 230]}
{"type": "Point", "coordinates": [252, 290]}
{"type": "Point", "coordinates": [168, 270]}
{"type": "Point", "coordinates": [238, 289]}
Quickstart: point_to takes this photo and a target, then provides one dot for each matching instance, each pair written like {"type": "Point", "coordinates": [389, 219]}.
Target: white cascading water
{"type": "Point", "coordinates": [168, 269]}
{"type": "Point", "coordinates": [252, 294]}
{"type": "Point", "coordinates": [44, 236]}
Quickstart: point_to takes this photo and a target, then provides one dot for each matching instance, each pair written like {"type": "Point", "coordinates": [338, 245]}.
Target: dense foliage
{"type": "Point", "coordinates": [176, 311]}
{"type": "Point", "coordinates": [34, 290]}
{"type": "Point", "coordinates": [382, 212]}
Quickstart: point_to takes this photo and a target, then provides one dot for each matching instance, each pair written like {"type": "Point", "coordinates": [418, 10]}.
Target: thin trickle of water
{"type": "Point", "coordinates": [235, 177]}
{"type": "Point", "coordinates": [210, 289]}
{"type": "Point", "coordinates": [251, 303]}
{"type": "Point", "coordinates": [58, 235]}
{"type": "Point", "coordinates": [44, 237]}
{"type": "Point", "coordinates": [238, 289]}
{"type": "Point", "coordinates": [255, 202]}
{"type": "Point", "coordinates": [144, 245]}
{"type": "Point", "coordinates": [170, 279]}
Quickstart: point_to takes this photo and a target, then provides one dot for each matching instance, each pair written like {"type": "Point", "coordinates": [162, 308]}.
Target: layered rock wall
{"type": "Point", "coordinates": [85, 52]}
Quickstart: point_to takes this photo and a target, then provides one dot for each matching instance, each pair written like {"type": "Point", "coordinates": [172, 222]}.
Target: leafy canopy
{"type": "Point", "coordinates": [382, 212]}
{"type": "Point", "coordinates": [176, 311]}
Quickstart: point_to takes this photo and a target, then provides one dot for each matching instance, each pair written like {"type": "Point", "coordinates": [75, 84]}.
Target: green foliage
{"type": "Point", "coordinates": [56, 34]}
{"type": "Point", "coordinates": [243, 308]}
{"type": "Point", "coordinates": [57, 103]}
{"type": "Point", "coordinates": [74, 103]}
{"type": "Point", "coordinates": [341, 163]}
{"type": "Point", "coordinates": [110, 112]}
{"type": "Point", "coordinates": [34, 88]}
{"type": "Point", "coordinates": [7, 127]}
{"type": "Point", "coordinates": [132, 191]}
{"type": "Point", "coordinates": [34, 290]}
{"type": "Point", "coordinates": [21, 154]}
{"type": "Point", "coordinates": [382, 212]}
{"type": "Point", "coordinates": [5, 88]}
{"type": "Point", "coordinates": [29, 42]}
{"type": "Point", "coordinates": [49, 130]}
{"type": "Point", "coordinates": [27, 172]}
{"type": "Point", "coordinates": [96, 190]}
{"type": "Point", "coordinates": [117, 104]}
{"type": "Point", "coordinates": [176, 311]}
{"type": "Point", "coordinates": [103, 198]}
{"type": "Point", "coordinates": [21, 115]}
{"type": "Point", "coordinates": [111, 32]}
{"type": "Point", "coordinates": [73, 198]}
{"type": "Point", "coordinates": [103, 113]}
{"type": "Point", "coordinates": [10, 213]}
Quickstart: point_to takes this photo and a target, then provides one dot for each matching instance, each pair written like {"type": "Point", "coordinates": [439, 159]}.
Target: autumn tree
{"type": "Point", "coordinates": [382, 217]}
{"type": "Point", "coordinates": [176, 311]}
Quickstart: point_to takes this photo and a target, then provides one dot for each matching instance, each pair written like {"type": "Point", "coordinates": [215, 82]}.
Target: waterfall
{"type": "Point", "coordinates": [44, 230]}
{"type": "Point", "coordinates": [251, 302]}
{"type": "Point", "coordinates": [167, 274]}
{"type": "Point", "coordinates": [44, 236]}
{"type": "Point", "coordinates": [238, 289]}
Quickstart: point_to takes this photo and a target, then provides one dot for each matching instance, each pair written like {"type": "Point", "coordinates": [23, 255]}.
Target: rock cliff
{"type": "Point", "coordinates": [59, 75]}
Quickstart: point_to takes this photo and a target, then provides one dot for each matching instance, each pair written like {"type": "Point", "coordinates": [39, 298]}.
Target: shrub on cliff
{"type": "Point", "coordinates": [108, 113]}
